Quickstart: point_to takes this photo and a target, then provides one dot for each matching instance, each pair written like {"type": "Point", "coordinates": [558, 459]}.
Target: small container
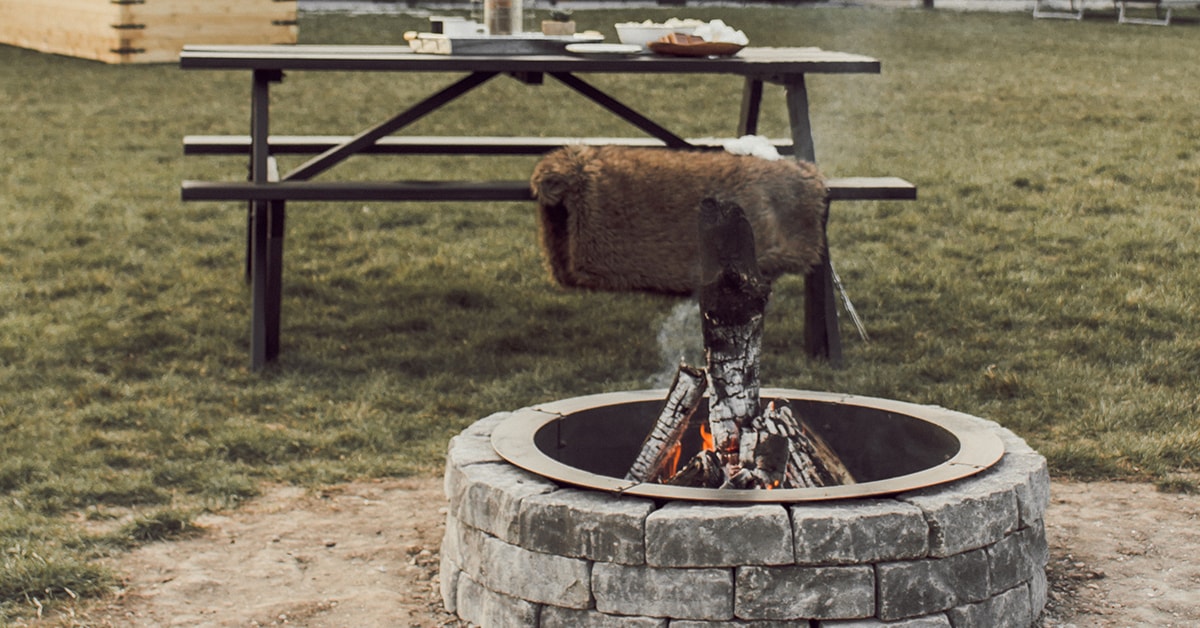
{"type": "Point", "coordinates": [502, 17]}
{"type": "Point", "coordinates": [554, 28]}
{"type": "Point", "coordinates": [463, 28]}
{"type": "Point", "coordinates": [455, 26]}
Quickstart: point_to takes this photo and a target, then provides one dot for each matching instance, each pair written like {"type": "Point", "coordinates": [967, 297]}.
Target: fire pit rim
{"type": "Point", "coordinates": [979, 448]}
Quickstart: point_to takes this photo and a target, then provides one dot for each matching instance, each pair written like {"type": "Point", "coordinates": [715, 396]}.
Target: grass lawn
{"type": "Point", "coordinates": [1046, 278]}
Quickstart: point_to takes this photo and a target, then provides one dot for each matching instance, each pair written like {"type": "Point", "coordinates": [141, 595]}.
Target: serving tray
{"type": "Point", "coordinates": [706, 49]}
{"type": "Point", "coordinates": [520, 44]}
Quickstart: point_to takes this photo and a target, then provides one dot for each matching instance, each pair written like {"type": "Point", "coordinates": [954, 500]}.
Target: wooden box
{"type": "Point", "coordinates": [143, 31]}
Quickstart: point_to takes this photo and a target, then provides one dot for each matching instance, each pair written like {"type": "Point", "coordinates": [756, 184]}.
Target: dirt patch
{"type": "Point", "coordinates": [363, 554]}
{"type": "Point", "coordinates": [1122, 555]}
{"type": "Point", "coordinates": [366, 554]}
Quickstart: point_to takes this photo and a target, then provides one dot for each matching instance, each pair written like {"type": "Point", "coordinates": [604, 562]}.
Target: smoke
{"type": "Point", "coordinates": [679, 338]}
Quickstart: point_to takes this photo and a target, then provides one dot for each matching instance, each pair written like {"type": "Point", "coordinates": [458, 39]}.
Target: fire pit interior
{"type": "Point", "coordinates": [888, 446]}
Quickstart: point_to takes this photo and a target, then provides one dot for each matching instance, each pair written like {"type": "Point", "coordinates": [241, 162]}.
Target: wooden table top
{"type": "Point", "coordinates": [748, 62]}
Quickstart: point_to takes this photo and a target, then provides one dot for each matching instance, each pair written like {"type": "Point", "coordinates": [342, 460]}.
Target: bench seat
{"type": "Point", "coordinates": [433, 145]}
{"type": "Point", "coordinates": [840, 189]}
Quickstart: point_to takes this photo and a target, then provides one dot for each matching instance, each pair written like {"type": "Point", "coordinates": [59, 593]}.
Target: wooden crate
{"type": "Point", "coordinates": [143, 31]}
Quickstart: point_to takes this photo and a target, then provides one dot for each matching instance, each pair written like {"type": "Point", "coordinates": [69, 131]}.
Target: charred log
{"type": "Point", "coordinates": [704, 470]}
{"type": "Point", "coordinates": [764, 461]}
{"type": "Point", "coordinates": [751, 447]}
{"type": "Point", "coordinates": [733, 299]}
{"type": "Point", "coordinates": [810, 461]}
{"type": "Point", "coordinates": [662, 443]}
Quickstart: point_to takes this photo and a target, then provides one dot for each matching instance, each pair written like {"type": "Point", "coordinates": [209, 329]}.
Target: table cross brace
{"type": "Point", "coordinates": [623, 111]}
{"type": "Point", "coordinates": [367, 138]}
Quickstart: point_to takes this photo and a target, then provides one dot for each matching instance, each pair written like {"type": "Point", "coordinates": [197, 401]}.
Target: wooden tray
{"type": "Point", "coordinates": [497, 45]}
{"type": "Point", "coordinates": [706, 49]}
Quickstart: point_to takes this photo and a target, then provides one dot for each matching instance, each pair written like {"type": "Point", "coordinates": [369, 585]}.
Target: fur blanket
{"type": "Point", "coordinates": [618, 218]}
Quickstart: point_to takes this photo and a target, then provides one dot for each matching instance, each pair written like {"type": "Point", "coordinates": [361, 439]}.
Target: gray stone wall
{"type": "Point", "coordinates": [522, 551]}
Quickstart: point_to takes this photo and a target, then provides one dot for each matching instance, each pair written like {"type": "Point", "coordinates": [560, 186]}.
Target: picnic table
{"type": "Point", "coordinates": [267, 191]}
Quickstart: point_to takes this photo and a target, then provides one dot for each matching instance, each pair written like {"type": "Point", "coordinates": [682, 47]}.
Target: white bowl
{"type": "Point", "coordinates": [640, 34]}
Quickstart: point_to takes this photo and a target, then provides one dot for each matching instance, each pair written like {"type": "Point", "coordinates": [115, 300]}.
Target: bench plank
{"type": "Point", "coordinates": [358, 191]}
{"type": "Point", "coordinates": [871, 189]}
{"type": "Point", "coordinates": [840, 189]}
{"type": "Point", "coordinates": [433, 145]}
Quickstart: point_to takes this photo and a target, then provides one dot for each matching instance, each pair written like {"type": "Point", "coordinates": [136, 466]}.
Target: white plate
{"type": "Point", "coordinates": [605, 50]}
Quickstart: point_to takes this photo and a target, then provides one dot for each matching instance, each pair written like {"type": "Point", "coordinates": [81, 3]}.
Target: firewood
{"type": "Point", "coordinates": [733, 299]}
{"type": "Point", "coordinates": [751, 448]}
{"type": "Point", "coordinates": [811, 462]}
{"type": "Point", "coordinates": [764, 461]}
{"type": "Point", "coordinates": [662, 443]}
{"type": "Point", "coordinates": [704, 470]}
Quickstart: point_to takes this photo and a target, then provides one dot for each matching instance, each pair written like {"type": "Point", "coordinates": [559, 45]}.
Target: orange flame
{"type": "Point", "coordinates": [672, 464]}
{"type": "Point", "coordinates": [707, 438]}
{"type": "Point", "coordinates": [673, 457]}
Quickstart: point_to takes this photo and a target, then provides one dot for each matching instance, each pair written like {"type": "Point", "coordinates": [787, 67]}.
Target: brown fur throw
{"type": "Point", "coordinates": [618, 218]}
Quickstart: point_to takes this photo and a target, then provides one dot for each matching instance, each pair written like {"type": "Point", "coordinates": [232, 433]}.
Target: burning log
{"type": "Point", "coordinates": [733, 298]}
{"type": "Point", "coordinates": [749, 447]}
{"type": "Point", "coordinates": [764, 460]}
{"type": "Point", "coordinates": [704, 470]}
{"type": "Point", "coordinates": [662, 444]}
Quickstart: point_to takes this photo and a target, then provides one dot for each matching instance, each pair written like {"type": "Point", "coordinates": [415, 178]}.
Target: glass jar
{"type": "Point", "coordinates": [502, 17]}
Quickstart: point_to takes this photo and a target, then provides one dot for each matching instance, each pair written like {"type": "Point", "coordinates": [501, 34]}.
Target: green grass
{"type": "Point", "coordinates": [1045, 278]}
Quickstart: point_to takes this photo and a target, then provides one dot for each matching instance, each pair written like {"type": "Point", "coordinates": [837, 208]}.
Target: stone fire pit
{"type": "Point", "coordinates": [946, 530]}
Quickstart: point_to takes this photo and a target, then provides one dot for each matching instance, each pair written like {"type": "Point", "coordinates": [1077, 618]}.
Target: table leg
{"type": "Point", "coordinates": [821, 336]}
{"type": "Point", "coordinates": [259, 281]}
{"type": "Point", "coordinates": [249, 270]}
{"type": "Point", "coordinates": [266, 281]}
{"type": "Point", "coordinates": [797, 106]}
{"type": "Point", "coordinates": [752, 91]}
{"type": "Point", "coordinates": [260, 107]}
{"type": "Point", "coordinates": [265, 233]}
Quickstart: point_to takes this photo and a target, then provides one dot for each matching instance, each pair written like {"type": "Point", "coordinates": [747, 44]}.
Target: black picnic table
{"type": "Point", "coordinates": [267, 190]}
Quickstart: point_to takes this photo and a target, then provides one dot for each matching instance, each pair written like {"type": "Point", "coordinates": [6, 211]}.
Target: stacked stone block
{"type": "Point", "coordinates": [520, 550]}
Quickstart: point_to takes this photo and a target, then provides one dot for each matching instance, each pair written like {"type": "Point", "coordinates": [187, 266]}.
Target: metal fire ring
{"type": "Point", "coordinates": [979, 448]}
